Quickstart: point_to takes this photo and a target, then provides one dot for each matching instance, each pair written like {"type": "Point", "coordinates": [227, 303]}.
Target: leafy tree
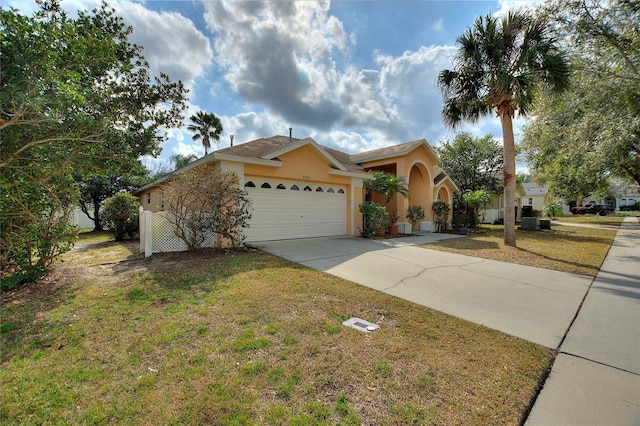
{"type": "Point", "coordinates": [76, 98]}
{"type": "Point", "coordinates": [205, 127]}
{"type": "Point", "coordinates": [472, 162]}
{"type": "Point", "coordinates": [204, 202]}
{"type": "Point", "coordinates": [593, 132]}
{"type": "Point", "coordinates": [499, 64]}
{"type": "Point", "coordinates": [121, 215]}
{"type": "Point", "coordinates": [94, 190]}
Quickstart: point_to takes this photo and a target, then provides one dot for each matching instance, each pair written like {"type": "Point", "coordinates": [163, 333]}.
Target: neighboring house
{"type": "Point", "coordinates": [301, 189]}
{"type": "Point", "coordinates": [527, 195]}
{"type": "Point", "coordinates": [495, 211]}
{"type": "Point", "coordinates": [625, 195]}
{"type": "Point", "coordinates": [536, 197]}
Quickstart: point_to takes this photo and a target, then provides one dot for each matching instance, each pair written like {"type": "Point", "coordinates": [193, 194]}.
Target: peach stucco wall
{"type": "Point", "coordinates": [307, 164]}
{"type": "Point", "coordinates": [418, 168]}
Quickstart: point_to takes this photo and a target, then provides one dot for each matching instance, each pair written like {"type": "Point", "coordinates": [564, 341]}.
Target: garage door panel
{"type": "Point", "coordinates": [286, 214]}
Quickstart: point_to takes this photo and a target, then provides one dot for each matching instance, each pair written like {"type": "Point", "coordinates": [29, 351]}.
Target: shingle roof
{"type": "Point", "coordinates": [260, 148]}
{"type": "Point", "coordinates": [387, 152]}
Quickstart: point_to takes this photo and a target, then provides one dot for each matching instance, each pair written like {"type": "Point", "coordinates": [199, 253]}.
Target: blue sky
{"type": "Point", "coordinates": [354, 75]}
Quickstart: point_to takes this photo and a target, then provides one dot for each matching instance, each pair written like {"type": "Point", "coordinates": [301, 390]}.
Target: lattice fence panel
{"type": "Point", "coordinates": [164, 238]}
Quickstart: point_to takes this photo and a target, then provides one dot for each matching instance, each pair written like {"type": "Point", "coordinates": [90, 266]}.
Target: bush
{"type": "Point", "coordinates": [441, 212]}
{"type": "Point", "coordinates": [415, 214]}
{"type": "Point", "coordinates": [375, 217]}
{"type": "Point", "coordinates": [121, 215]}
{"type": "Point", "coordinates": [552, 210]}
{"type": "Point", "coordinates": [35, 229]}
{"type": "Point", "coordinates": [205, 202]}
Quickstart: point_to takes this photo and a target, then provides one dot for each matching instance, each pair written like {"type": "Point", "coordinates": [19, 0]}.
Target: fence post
{"type": "Point", "coordinates": [148, 249]}
{"type": "Point", "coordinates": [141, 227]}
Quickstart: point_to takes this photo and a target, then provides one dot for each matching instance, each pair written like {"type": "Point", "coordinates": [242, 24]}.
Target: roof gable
{"type": "Point", "coordinates": [305, 142]}
{"type": "Point", "coordinates": [392, 152]}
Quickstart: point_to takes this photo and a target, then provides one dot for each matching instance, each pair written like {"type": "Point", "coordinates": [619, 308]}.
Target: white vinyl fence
{"type": "Point", "coordinates": [157, 234]}
{"type": "Point", "coordinates": [81, 220]}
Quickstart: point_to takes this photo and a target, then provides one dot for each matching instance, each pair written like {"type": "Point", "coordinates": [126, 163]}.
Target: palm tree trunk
{"type": "Point", "coordinates": [509, 179]}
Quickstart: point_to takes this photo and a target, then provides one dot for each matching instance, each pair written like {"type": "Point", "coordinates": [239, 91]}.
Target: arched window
{"type": "Point", "coordinates": [319, 189]}
{"type": "Point", "coordinates": [295, 188]}
{"type": "Point", "coordinates": [340, 191]}
{"type": "Point", "coordinates": [265, 186]}
{"type": "Point", "coordinates": [249, 185]}
{"type": "Point", "coordinates": [330, 190]}
{"type": "Point", "coordinates": [307, 188]}
{"type": "Point", "coordinates": [281, 186]}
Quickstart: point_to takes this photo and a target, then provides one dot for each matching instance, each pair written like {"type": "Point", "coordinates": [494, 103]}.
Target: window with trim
{"type": "Point", "coordinates": [281, 186]}
{"type": "Point", "coordinates": [307, 188]}
{"type": "Point", "coordinates": [295, 188]}
{"type": "Point", "coordinates": [265, 185]}
{"type": "Point", "coordinates": [530, 201]}
{"type": "Point", "coordinates": [249, 185]}
{"type": "Point", "coordinates": [340, 191]}
{"type": "Point", "coordinates": [148, 198]}
{"type": "Point", "coordinates": [330, 190]}
{"type": "Point", "coordinates": [319, 189]}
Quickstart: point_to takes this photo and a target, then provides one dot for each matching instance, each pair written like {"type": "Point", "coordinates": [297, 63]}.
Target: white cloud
{"type": "Point", "coordinates": [438, 25]}
{"type": "Point", "coordinates": [172, 44]}
{"type": "Point", "coordinates": [284, 56]}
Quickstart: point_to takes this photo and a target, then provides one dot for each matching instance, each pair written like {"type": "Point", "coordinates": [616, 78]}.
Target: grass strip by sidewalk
{"type": "Point", "coordinates": [245, 338]}
{"type": "Point", "coordinates": [578, 250]}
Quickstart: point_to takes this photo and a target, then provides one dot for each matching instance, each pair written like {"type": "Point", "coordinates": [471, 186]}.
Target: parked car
{"type": "Point", "coordinates": [575, 209]}
{"type": "Point", "coordinates": [600, 209]}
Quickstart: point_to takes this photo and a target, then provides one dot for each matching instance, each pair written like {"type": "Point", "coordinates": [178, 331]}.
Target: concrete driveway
{"type": "Point", "coordinates": [532, 303]}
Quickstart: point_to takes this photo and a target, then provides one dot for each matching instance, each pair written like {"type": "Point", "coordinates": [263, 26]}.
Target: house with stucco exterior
{"type": "Point", "coordinates": [300, 189]}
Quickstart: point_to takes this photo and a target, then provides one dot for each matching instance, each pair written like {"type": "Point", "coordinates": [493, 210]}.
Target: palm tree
{"type": "Point", "coordinates": [499, 64]}
{"type": "Point", "coordinates": [180, 161]}
{"type": "Point", "coordinates": [206, 126]}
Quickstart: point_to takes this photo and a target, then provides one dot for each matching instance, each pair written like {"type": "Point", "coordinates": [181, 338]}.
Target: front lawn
{"type": "Point", "coordinates": [592, 219]}
{"type": "Point", "coordinates": [579, 250]}
{"type": "Point", "coordinates": [245, 338]}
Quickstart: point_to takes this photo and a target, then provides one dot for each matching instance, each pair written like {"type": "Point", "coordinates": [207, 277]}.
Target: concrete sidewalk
{"type": "Point", "coordinates": [532, 303]}
{"type": "Point", "coordinates": [595, 379]}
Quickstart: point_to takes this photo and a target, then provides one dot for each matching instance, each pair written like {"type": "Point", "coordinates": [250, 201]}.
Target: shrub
{"type": "Point", "coordinates": [552, 210]}
{"type": "Point", "coordinates": [203, 202]}
{"type": "Point", "coordinates": [476, 200]}
{"type": "Point", "coordinates": [35, 229]}
{"type": "Point", "coordinates": [415, 214]}
{"type": "Point", "coordinates": [441, 211]}
{"type": "Point", "coordinates": [121, 215]}
{"type": "Point", "coordinates": [375, 217]}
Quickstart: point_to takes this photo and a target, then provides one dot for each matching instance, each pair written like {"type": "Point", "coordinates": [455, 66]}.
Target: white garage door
{"type": "Point", "coordinates": [287, 209]}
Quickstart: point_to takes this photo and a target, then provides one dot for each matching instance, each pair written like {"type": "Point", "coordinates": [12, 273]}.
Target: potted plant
{"type": "Point", "coordinates": [415, 214]}
{"type": "Point", "coordinates": [441, 212]}
{"type": "Point", "coordinates": [393, 219]}
{"type": "Point", "coordinates": [389, 185]}
{"type": "Point", "coordinates": [375, 219]}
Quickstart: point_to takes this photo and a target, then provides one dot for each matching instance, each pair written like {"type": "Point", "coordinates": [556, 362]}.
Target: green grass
{"type": "Point", "coordinates": [591, 219]}
{"type": "Point", "coordinates": [574, 249]}
{"type": "Point", "coordinates": [245, 338]}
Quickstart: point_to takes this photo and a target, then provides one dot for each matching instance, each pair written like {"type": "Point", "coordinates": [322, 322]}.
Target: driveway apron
{"type": "Point", "coordinates": [532, 303]}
